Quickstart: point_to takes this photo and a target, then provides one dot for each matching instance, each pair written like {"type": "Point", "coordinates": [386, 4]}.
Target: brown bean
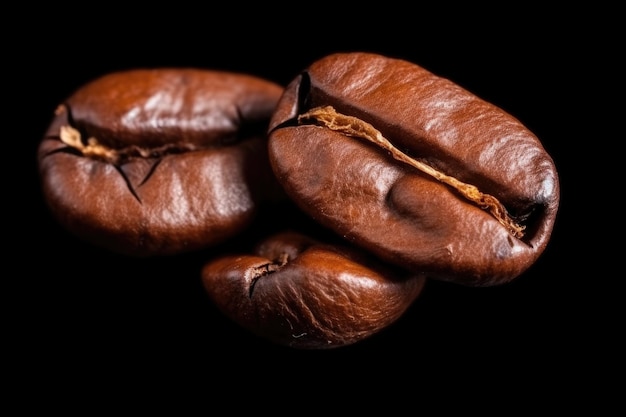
{"type": "Point", "coordinates": [414, 168]}
{"type": "Point", "coordinates": [161, 161]}
{"type": "Point", "coordinates": [298, 292]}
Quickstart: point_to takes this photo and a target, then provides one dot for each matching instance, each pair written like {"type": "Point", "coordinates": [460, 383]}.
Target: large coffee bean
{"type": "Point", "coordinates": [414, 169]}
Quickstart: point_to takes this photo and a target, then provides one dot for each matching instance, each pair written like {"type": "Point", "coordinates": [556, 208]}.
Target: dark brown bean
{"type": "Point", "coordinates": [414, 168]}
{"type": "Point", "coordinates": [298, 292]}
{"type": "Point", "coordinates": [158, 162]}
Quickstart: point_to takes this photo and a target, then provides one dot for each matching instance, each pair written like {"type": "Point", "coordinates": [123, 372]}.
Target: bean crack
{"type": "Point", "coordinates": [352, 126]}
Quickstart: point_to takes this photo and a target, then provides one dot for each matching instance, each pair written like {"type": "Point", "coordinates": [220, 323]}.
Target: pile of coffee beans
{"type": "Point", "coordinates": [405, 175]}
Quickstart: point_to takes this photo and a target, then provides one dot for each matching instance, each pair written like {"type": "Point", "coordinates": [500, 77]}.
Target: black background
{"type": "Point", "coordinates": [93, 316]}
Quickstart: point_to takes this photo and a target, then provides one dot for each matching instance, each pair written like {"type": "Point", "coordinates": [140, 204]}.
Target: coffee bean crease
{"type": "Point", "coordinates": [94, 149]}
{"type": "Point", "coordinates": [352, 126]}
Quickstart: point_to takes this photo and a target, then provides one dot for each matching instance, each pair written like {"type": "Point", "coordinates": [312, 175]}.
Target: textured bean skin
{"type": "Point", "coordinates": [298, 292]}
{"type": "Point", "coordinates": [193, 165]}
{"type": "Point", "coordinates": [395, 211]}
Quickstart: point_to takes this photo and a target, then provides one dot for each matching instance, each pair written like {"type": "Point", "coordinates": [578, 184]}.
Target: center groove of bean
{"type": "Point", "coordinates": [94, 149]}
{"type": "Point", "coordinates": [352, 126]}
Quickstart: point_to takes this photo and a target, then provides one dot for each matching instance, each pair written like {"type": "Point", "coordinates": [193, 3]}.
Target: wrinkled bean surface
{"type": "Point", "coordinates": [299, 292]}
{"type": "Point", "coordinates": [157, 162]}
{"type": "Point", "coordinates": [390, 208]}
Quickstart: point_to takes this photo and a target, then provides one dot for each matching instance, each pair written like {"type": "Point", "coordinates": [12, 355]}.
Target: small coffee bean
{"type": "Point", "coordinates": [414, 169]}
{"type": "Point", "coordinates": [298, 292]}
{"type": "Point", "coordinates": [161, 161]}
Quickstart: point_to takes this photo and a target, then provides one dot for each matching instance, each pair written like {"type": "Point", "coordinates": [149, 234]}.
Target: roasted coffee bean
{"type": "Point", "coordinates": [301, 293]}
{"type": "Point", "coordinates": [159, 161]}
{"type": "Point", "coordinates": [414, 168]}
